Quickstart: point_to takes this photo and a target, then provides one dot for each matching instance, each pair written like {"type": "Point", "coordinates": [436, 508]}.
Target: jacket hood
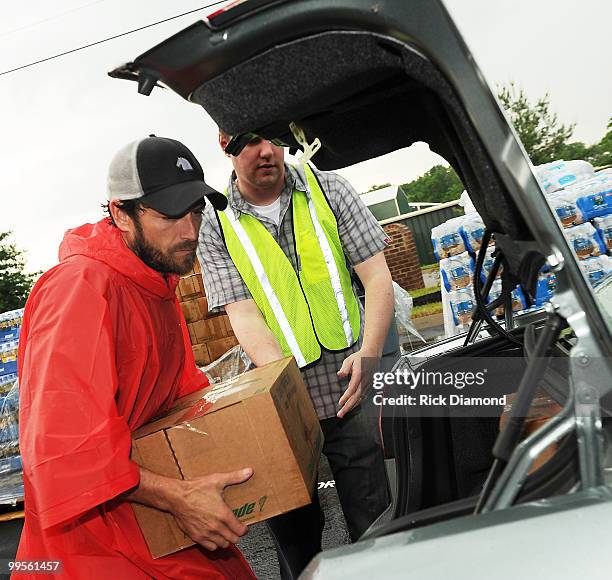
{"type": "Point", "coordinates": [103, 242]}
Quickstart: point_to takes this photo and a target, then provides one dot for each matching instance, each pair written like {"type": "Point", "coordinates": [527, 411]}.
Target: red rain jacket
{"type": "Point", "coordinates": [103, 350]}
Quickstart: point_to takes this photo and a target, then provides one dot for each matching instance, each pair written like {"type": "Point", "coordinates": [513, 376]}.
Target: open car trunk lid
{"type": "Point", "coordinates": [368, 78]}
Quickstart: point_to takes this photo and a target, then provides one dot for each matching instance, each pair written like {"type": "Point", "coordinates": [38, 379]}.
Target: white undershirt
{"type": "Point", "coordinates": [272, 211]}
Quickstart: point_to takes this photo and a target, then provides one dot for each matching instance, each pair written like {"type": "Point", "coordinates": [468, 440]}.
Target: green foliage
{"type": "Point", "coordinates": [575, 150]}
{"type": "Point", "coordinates": [543, 136]}
{"type": "Point", "coordinates": [425, 291]}
{"type": "Point", "coordinates": [426, 309]}
{"type": "Point", "coordinates": [601, 153]}
{"type": "Point", "coordinates": [375, 187]}
{"type": "Point", "coordinates": [438, 185]}
{"type": "Point", "coordinates": [15, 284]}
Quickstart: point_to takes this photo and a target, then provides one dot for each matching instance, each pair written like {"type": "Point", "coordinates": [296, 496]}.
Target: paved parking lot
{"type": "Point", "coordinates": [257, 545]}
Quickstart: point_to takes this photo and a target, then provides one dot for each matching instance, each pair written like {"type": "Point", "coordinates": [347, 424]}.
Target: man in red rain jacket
{"type": "Point", "coordinates": [103, 350]}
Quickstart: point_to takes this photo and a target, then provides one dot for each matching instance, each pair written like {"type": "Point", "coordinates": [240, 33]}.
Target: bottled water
{"type": "Point", "coordinates": [585, 240]}
{"type": "Point", "coordinates": [603, 225]}
{"type": "Point", "coordinates": [472, 230]}
{"type": "Point", "coordinates": [566, 209]}
{"type": "Point", "coordinates": [559, 174]}
{"type": "Point", "coordinates": [446, 239]}
{"type": "Point", "coordinates": [462, 304]}
{"type": "Point", "coordinates": [457, 271]}
{"type": "Point", "coordinates": [597, 268]}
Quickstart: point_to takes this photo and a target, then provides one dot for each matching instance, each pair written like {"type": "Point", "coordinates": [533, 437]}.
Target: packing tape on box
{"type": "Point", "coordinates": [224, 390]}
{"type": "Point", "coordinates": [206, 403]}
{"type": "Point", "coordinates": [189, 427]}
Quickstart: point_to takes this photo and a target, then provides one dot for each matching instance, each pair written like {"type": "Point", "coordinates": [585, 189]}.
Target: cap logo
{"type": "Point", "coordinates": [184, 164]}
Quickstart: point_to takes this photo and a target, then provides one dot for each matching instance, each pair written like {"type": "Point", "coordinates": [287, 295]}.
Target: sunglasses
{"type": "Point", "coordinates": [238, 142]}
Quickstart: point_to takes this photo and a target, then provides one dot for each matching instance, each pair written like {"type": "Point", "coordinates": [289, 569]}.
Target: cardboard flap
{"type": "Point", "coordinates": [218, 396]}
{"type": "Point", "coordinates": [300, 423]}
{"type": "Point", "coordinates": [159, 424]}
{"type": "Point", "coordinates": [164, 536]}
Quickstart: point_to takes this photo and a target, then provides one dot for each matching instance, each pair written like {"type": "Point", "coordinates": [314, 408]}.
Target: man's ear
{"type": "Point", "coordinates": [122, 220]}
{"type": "Point", "coordinates": [224, 139]}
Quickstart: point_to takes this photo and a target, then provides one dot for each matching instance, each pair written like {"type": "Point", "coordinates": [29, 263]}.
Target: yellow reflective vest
{"type": "Point", "coordinates": [314, 308]}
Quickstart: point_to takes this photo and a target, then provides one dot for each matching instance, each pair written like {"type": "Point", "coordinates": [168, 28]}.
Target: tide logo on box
{"type": "Point", "coordinates": [247, 508]}
{"type": "Point", "coordinates": [244, 510]}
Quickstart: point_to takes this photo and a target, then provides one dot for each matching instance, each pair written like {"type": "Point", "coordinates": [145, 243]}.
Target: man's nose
{"type": "Point", "coordinates": [266, 149]}
{"type": "Point", "coordinates": [189, 226]}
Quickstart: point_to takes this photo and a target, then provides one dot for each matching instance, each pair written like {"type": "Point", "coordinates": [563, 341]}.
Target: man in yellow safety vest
{"type": "Point", "coordinates": [280, 261]}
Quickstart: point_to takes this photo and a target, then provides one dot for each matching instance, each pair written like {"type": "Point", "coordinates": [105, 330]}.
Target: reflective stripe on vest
{"type": "Point", "coordinates": [316, 307]}
{"type": "Point", "coordinates": [267, 287]}
{"type": "Point", "coordinates": [334, 275]}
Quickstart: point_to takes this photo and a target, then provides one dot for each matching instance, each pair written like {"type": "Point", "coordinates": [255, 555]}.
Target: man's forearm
{"type": "Point", "coordinates": [253, 333]}
{"type": "Point", "coordinates": [197, 504]}
{"type": "Point", "coordinates": [261, 346]}
{"type": "Point", "coordinates": [378, 314]}
{"type": "Point", "coordinates": [379, 304]}
{"type": "Point", "coordinates": [155, 490]}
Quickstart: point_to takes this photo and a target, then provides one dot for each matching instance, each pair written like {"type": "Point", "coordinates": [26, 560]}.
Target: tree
{"type": "Point", "coordinates": [543, 136]}
{"type": "Point", "coordinates": [575, 150]}
{"type": "Point", "coordinates": [15, 284]}
{"type": "Point", "coordinates": [439, 184]}
{"type": "Point", "coordinates": [375, 187]}
{"type": "Point", "coordinates": [601, 153]}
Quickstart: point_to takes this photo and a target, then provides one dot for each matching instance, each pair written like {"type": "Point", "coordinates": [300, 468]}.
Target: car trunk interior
{"type": "Point", "coordinates": [442, 462]}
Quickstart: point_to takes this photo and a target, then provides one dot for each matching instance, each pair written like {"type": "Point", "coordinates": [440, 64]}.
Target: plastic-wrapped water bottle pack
{"type": "Point", "coordinates": [11, 479]}
{"type": "Point", "coordinates": [597, 268]}
{"type": "Point", "coordinates": [582, 200]}
{"type": "Point", "coordinates": [447, 240]}
{"type": "Point", "coordinates": [462, 303]}
{"type": "Point", "coordinates": [560, 174]}
{"type": "Point", "coordinates": [518, 298]}
{"type": "Point", "coordinates": [457, 271]}
{"type": "Point", "coordinates": [585, 241]}
{"type": "Point", "coordinates": [603, 225]}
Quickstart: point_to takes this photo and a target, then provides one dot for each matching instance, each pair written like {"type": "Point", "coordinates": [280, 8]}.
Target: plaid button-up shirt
{"type": "Point", "coordinates": [361, 238]}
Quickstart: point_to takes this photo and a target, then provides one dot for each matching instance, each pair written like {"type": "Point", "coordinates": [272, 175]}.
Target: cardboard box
{"type": "Point", "coordinates": [262, 419]}
{"type": "Point", "coordinates": [190, 287]}
{"type": "Point", "coordinates": [220, 346]}
{"type": "Point", "coordinates": [201, 354]}
{"type": "Point", "coordinates": [194, 310]}
{"type": "Point", "coordinates": [200, 331]}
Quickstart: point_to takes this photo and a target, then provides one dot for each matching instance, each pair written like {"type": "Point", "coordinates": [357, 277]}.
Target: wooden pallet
{"type": "Point", "coordinates": [9, 512]}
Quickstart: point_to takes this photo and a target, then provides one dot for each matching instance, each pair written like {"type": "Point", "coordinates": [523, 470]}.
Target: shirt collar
{"type": "Point", "coordinates": [293, 180]}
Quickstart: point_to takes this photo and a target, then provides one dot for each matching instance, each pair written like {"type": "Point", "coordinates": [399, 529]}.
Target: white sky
{"type": "Point", "coordinates": [63, 120]}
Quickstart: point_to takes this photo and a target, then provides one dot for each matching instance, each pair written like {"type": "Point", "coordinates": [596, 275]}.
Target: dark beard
{"type": "Point", "coordinates": [158, 260]}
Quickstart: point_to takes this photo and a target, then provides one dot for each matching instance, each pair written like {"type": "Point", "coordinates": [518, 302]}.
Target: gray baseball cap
{"type": "Point", "coordinates": [164, 174]}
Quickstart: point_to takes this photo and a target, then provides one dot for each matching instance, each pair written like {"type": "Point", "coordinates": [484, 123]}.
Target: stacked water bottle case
{"type": "Point", "coordinates": [581, 198]}
{"type": "Point", "coordinates": [11, 480]}
{"type": "Point", "coordinates": [456, 243]}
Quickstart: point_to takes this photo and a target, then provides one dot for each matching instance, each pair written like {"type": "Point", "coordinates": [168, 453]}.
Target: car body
{"type": "Point", "coordinates": [368, 77]}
